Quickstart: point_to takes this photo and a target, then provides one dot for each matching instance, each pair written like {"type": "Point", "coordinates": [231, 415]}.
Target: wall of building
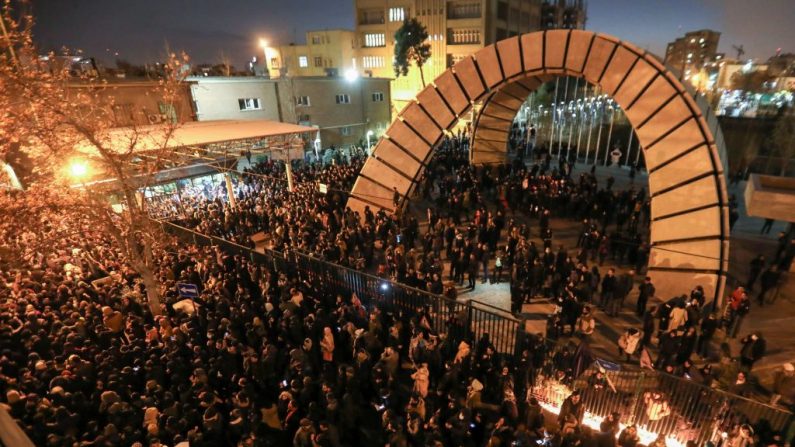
{"type": "Point", "coordinates": [340, 124]}
{"type": "Point", "coordinates": [217, 98]}
{"type": "Point", "coordinates": [325, 51]}
{"type": "Point", "coordinates": [139, 102]}
{"type": "Point", "coordinates": [310, 101]}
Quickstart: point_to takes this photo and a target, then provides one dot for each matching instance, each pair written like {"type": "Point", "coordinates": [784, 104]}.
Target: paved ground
{"type": "Point", "coordinates": [772, 320]}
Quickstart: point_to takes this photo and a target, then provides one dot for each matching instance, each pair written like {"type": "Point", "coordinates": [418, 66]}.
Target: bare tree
{"type": "Point", "coordinates": [66, 120]}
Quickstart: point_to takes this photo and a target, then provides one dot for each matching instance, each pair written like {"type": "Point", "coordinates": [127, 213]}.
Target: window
{"type": "Point", "coordinates": [378, 97]}
{"type": "Point", "coordinates": [304, 119]}
{"type": "Point", "coordinates": [371, 16]}
{"type": "Point", "coordinates": [372, 61]}
{"type": "Point", "coordinates": [345, 131]}
{"type": "Point", "coordinates": [249, 104]}
{"type": "Point", "coordinates": [502, 11]}
{"type": "Point", "coordinates": [302, 101]}
{"type": "Point", "coordinates": [274, 62]}
{"type": "Point", "coordinates": [303, 62]}
{"type": "Point", "coordinates": [374, 40]}
{"type": "Point", "coordinates": [317, 40]}
{"type": "Point", "coordinates": [397, 14]}
{"type": "Point", "coordinates": [343, 99]}
{"type": "Point", "coordinates": [318, 61]}
{"type": "Point", "coordinates": [469, 10]}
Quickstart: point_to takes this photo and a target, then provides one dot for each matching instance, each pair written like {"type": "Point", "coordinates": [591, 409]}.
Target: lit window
{"type": "Point", "coordinates": [378, 97]}
{"type": "Point", "coordinates": [302, 101]}
{"type": "Point", "coordinates": [374, 40]}
{"type": "Point", "coordinates": [303, 62]}
{"type": "Point", "coordinates": [343, 99]}
{"type": "Point", "coordinates": [372, 61]}
{"type": "Point", "coordinates": [397, 14]}
{"type": "Point", "coordinates": [249, 104]}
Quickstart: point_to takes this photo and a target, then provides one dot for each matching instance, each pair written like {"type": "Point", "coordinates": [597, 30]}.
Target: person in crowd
{"type": "Point", "coordinates": [272, 352]}
{"type": "Point", "coordinates": [572, 408]}
{"type": "Point", "coordinates": [755, 269]}
{"type": "Point", "coordinates": [769, 281]}
{"type": "Point", "coordinates": [645, 292]}
{"type": "Point", "coordinates": [753, 349]}
{"type": "Point", "coordinates": [784, 386]}
{"type": "Point", "coordinates": [629, 342]}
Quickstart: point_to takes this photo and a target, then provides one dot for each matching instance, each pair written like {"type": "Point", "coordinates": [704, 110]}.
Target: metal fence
{"type": "Point", "coordinates": [657, 403]}
{"type": "Point", "coordinates": [457, 320]}
{"type": "Point", "coordinates": [697, 412]}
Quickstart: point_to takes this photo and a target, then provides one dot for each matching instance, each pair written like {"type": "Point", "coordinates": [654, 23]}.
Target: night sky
{"type": "Point", "coordinates": [139, 29]}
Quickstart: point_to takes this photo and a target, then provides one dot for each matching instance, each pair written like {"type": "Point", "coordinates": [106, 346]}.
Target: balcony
{"type": "Point", "coordinates": [463, 37]}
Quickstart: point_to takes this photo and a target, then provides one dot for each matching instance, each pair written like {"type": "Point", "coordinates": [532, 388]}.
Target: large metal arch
{"type": "Point", "coordinates": [681, 142]}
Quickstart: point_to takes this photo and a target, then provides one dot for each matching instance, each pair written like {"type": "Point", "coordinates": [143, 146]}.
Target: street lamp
{"type": "Point", "coordinates": [369, 148]}
{"type": "Point", "coordinates": [78, 169]}
{"type": "Point", "coordinates": [351, 75]}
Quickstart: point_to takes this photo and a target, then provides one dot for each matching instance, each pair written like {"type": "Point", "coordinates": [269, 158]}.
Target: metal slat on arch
{"type": "Point", "coordinates": [681, 144]}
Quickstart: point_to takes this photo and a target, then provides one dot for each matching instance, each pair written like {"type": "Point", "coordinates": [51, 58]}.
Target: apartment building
{"type": "Point", "coordinates": [456, 29]}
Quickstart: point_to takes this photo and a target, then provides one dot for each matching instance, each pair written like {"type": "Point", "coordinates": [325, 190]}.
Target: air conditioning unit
{"type": "Point", "coordinates": [154, 118]}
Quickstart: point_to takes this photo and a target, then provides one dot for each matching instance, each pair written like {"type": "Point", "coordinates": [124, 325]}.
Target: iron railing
{"type": "Point", "coordinates": [697, 412]}
{"type": "Point", "coordinates": [457, 320]}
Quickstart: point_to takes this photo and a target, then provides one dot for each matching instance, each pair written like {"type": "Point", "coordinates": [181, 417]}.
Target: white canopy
{"type": "Point", "coordinates": [139, 139]}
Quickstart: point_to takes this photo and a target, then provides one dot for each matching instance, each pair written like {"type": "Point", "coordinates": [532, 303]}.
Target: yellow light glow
{"type": "Point", "coordinates": [646, 437]}
{"type": "Point", "coordinates": [263, 43]}
{"type": "Point", "coordinates": [78, 169]}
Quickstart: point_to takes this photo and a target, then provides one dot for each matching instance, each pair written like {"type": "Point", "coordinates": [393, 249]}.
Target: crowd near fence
{"type": "Point", "coordinates": [697, 412]}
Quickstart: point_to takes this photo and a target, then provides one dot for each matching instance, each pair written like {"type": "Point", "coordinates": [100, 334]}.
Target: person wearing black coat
{"type": "Point", "coordinates": [768, 281]}
{"type": "Point", "coordinates": [645, 291]}
{"type": "Point", "coordinates": [754, 347]}
{"type": "Point", "coordinates": [572, 406]}
{"type": "Point", "coordinates": [648, 326]}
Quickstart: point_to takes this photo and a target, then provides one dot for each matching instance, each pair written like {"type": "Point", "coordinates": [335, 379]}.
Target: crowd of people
{"type": "Point", "coordinates": [266, 355]}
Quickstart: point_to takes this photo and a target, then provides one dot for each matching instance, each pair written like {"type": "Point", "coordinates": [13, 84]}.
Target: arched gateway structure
{"type": "Point", "coordinates": [689, 228]}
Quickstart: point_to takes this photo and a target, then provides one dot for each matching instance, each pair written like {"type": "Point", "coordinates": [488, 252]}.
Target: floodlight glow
{"type": "Point", "coordinates": [384, 286]}
{"type": "Point", "coordinates": [78, 169]}
{"type": "Point", "coordinates": [351, 75]}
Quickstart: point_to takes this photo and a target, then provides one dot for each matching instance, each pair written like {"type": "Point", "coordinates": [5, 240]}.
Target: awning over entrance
{"type": "Point", "coordinates": [142, 139]}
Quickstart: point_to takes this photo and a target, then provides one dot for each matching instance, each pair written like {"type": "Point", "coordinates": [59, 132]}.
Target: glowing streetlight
{"type": "Point", "coordinates": [78, 169]}
{"type": "Point", "coordinates": [351, 75]}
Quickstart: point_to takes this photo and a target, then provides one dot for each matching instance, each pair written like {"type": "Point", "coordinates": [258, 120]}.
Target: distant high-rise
{"type": "Point", "coordinates": [566, 14]}
{"type": "Point", "coordinates": [693, 51]}
{"type": "Point", "coordinates": [456, 29]}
